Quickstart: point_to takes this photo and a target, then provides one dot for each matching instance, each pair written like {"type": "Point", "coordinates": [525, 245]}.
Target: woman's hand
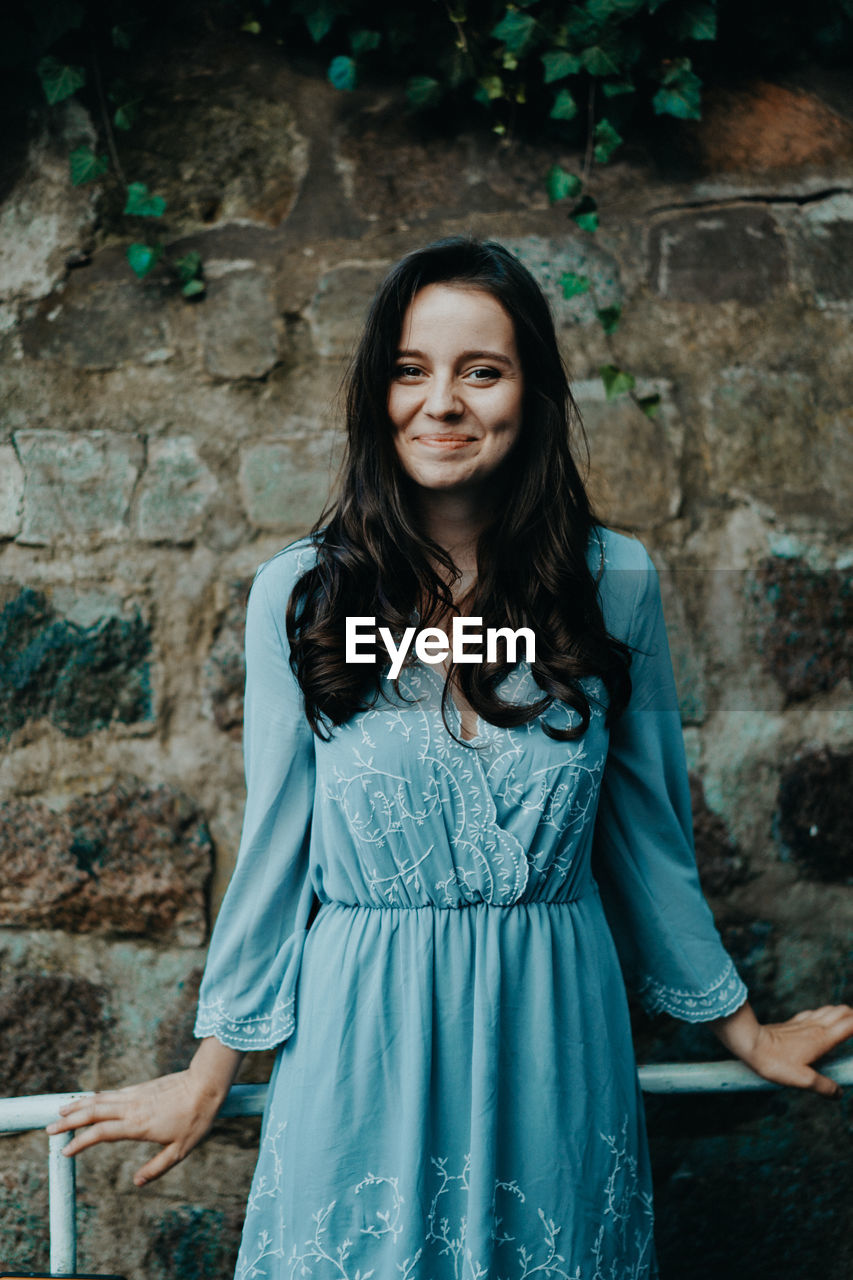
{"type": "Point", "coordinates": [782, 1051]}
{"type": "Point", "coordinates": [176, 1111]}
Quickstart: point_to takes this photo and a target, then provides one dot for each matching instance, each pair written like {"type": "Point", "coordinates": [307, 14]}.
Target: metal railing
{"type": "Point", "coordinates": [20, 1115]}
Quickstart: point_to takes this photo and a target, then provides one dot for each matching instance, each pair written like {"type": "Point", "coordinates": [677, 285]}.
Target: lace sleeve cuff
{"type": "Point", "coordinates": [723, 997]}
{"type": "Point", "coordinates": [263, 1031]}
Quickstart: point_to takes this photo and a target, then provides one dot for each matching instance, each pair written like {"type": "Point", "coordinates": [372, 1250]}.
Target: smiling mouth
{"type": "Point", "coordinates": [446, 441]}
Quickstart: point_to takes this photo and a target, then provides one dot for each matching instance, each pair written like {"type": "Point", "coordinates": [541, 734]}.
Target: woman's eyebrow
{"type": "Point", "coordinates": [466, 355]}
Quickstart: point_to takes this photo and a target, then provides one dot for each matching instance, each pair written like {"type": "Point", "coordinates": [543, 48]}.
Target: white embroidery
{"type": "Point", "coordinates": [725, 994]}
{"type": "Point", "coordinates": [254, 1032]}
{"type": "Point", "coordinates": [621, 1249]}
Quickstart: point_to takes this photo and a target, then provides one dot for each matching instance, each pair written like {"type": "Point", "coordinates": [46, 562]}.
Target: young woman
{"type": "Point", "coordinates": [445, 881]}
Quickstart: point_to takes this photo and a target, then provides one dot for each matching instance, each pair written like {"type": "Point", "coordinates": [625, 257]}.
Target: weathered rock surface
{"type": "Point", "coordinates": [97, 324]}
{"type": "Point", "coordinates": [175, 492]}
{"type": "Point", "coordinates": [636, 459]}
{"type": "Point", "coordinates": [772, 427]}
{"type": "Point", "coordinates": [713, 255]}
{"type": "Point", "coordinates": [225, 668]}
{"type": "Point", "coordinates": [805, 618]}
{"type": "Point", "coordinates": [339, 307]}
{"type": "Point", "coordinates": [239, 326]}
{"type": "Point", "coordinates": [77, 487]}
{"type": "Point", "coordinates": [81, 677]}
{"type": "Point", "coordinates": [134, 861]}
{"type": "Point", "coordinates": [44, 221]}
{"type": "Point", "coordinates": [721, 866]}
{"type": "Point", "coordinates": [11, 492]}
{"type": "Point", "coordinates": [825, 246]}
{"type": "Point", "coordinates": [815, 819]}
{"type": "Point", "coordinates": [49, 1030]}
{"type": "Point", "coordinates": [285, 483]}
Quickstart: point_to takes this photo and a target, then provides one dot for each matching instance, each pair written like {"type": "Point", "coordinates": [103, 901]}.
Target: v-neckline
{"type": "Point", "coordinates": [432, 668]}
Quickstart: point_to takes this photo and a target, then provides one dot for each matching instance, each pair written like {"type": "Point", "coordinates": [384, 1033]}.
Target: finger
{"type": "Point", "coordinates": [104, 1131]}
{"type": "Point", "coordinates": [838, 1034]}
{"type": "Point", "coordinates": [827, 1035]}
{"type": "Point", "coordinates": [824, 1086]}
{"type": "Point", "coordinates": [157, 1165]}
{"type": "Point", "coordinates": [102, 1096]}
{"type": "Point", "coordinates": [830, 1013]}
{"type": "Point", "coordinates": [804, 1013]}
{"type": "Point", "coordinates": [102, 1106]}
{"type": "Point", "coordinates": [841, 1013]}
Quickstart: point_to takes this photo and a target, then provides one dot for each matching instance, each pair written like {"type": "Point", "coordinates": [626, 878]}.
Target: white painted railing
{"type": "Point", "coordinates": [18, 1115]}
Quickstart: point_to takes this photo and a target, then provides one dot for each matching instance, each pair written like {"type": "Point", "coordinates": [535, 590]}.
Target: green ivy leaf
{"type": "Point", "coordinates": [609, 318]}
{"type": "Point", "coordinates": [342, 73]}
{"type": "Point", "coordinates": [649, 405]}
{"type": "Point", "coordinates": [423, 91]}
{"type": "Point", "coordinates": [698, 22]}
{"type": "Point", "coordinates": [581, 29]}
{"type": "Point", "coordinates": [488, 89]}
{"type": "Point", "coordinates": [603, 10]}
{"type": "Point", "coordinates": [559, 63]}
{"type": "Point", "coordinates": [252, 27]}
{"type": "Point", "coordinates": [585, 214]}
{"type": "Point", "coordinates": [141, 204]}
{"type": "Point", "coordinates": [142, 257]}
{"type": "Point", "coordinates": [616, 381]}
{"type": "Point", "coordinates": [565, 107]}
{"type": "Point", "coordinates": [600, 61]}
{"type": "Point", "coordinates": [607, 140]}
{"type": "Point", "coordinates": [188, 267]}
{"type": "Point", "coordinates": [681, 95]}
{"type": "Point", "coordinates": [193, 288]}
{"type": "Point", "coordinates": [517, 30]}
{"type": "Point", "coordinates": [125, 115]}
{"type": "Point", "coordinates": [559, 183]}
{"type": "Point", "coordinates": [613, 88]}
{"type": "Point", "coordinates": [319, 15]}
{"type": "Point", "coordinates": [85, 166]}
{"type": "Point", "coordinates": [573, 285]}
{"type": "Point", "coordinates": [59, 80]}
{"type": "Point", "coordinates": [363, 41]}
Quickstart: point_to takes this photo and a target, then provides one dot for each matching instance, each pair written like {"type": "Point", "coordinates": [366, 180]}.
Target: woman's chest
{"type": "Point", "coordinates": [398, 796]}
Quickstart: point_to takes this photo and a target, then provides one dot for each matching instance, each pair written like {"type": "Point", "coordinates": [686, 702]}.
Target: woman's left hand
{"type": "Point", "coordinates": [782, 1051]}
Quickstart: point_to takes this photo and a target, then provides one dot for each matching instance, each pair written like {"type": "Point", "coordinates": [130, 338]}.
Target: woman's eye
{"type": "Point", "coordinates": [407, 371]}
{"type": "Point", "coordinates": [484, 374]}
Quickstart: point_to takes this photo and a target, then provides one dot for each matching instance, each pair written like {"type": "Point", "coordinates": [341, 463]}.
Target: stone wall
{"type": "Point", "coordinates": [154, 451]}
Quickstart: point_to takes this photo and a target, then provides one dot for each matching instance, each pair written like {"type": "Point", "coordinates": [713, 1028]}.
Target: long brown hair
{"type": "Point", "coordinates": [532, 570]}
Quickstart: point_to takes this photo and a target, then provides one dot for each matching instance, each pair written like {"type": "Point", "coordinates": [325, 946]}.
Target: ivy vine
{"type": "Point", "coordinates": [581, 72]}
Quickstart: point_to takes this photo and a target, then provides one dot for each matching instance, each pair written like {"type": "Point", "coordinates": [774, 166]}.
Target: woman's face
{"type": "Point", "coordinates": [456, 392]}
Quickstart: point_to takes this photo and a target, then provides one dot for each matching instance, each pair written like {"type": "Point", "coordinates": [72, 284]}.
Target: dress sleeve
{"type": "Point", "coordinates": [247, 994]}
{"type": "Point", "coordinates": [643, 855]}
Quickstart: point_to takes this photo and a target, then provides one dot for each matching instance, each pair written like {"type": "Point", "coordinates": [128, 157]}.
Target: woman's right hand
{"type": "Point", "coordinates": [176, 1111]}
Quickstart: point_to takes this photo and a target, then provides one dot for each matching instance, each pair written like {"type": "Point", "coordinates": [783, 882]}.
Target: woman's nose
{"type": "Point", "coordinates": [442, 400]}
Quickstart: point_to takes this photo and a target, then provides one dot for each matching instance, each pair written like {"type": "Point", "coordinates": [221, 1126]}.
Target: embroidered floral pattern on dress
{"type": "Point", "coordinates": [524, 1241]}
{"type": "Point", "coordinates": [398, 1026]}
{"type": "Point", "coordinates": [723, 997]}
{"type": "Point", "coordinates": [246, 1033]}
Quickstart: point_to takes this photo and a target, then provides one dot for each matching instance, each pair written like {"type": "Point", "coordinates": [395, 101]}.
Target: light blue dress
{"type": "Point", "coordinates": [455, 1096]}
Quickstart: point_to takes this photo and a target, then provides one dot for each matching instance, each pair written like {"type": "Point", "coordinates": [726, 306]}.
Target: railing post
{"type": "Point", "coordinates": [63, 1226]}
